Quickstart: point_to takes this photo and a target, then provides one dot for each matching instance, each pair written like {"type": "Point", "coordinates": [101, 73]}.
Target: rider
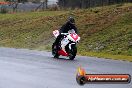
{"type": "Point", "coordinates": [70, 24]}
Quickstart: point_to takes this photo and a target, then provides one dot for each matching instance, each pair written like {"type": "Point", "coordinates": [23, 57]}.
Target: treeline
{"type": "Point", "coordinates": [88, 3]}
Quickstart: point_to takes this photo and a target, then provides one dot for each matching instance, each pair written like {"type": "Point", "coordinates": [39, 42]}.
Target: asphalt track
{"type": "Point", "coordinates": [22, 68]}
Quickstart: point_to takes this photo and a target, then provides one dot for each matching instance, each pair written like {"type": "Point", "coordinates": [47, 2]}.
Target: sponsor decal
{"type": "Point", "coordinates": [83, 78]}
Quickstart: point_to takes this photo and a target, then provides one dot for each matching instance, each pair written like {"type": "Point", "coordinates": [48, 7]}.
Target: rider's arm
{"type": "Point", "coordinates": [62, 29]}
{"type": "Point", "coordinates": [76, 30]}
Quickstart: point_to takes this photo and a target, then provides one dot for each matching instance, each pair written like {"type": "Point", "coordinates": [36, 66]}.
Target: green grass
{"type": "Point", "coordinates": [107, 56]}
{"type": "Point", "coordinates": [115, 39]}
{"type": "Point", "coordinates": [105, 31]}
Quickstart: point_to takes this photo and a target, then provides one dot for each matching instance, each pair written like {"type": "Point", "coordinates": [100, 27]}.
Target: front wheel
{"type": "Point", "coordinates": [55, 51]}
{"type": "Point", "coordinates": [73, 52]}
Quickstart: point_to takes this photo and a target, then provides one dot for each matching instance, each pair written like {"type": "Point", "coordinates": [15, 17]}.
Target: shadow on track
{"type": "Point", "coordinates": [64, 59]}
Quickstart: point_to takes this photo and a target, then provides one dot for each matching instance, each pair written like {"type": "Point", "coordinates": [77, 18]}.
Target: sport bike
{"type": "Point", "coordinates": [68, 45]}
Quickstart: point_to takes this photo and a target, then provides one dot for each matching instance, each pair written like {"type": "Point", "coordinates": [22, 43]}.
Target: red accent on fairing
{"type": "Point", "coordinates": [61, 52]}
{"type": "Point", "coordinates": [74, 36]}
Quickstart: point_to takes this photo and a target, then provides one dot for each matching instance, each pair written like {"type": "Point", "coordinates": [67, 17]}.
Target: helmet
{"type": "Point", "coordinates": [71, 20]}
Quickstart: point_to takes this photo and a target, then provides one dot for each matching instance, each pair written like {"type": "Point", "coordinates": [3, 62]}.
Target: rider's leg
{"type": "Point", "coordinates": [57, 41]}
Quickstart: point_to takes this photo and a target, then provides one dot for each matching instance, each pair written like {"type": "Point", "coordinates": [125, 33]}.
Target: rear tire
{"type": "Point", "coordinates": [73, 52]}
{"type": "Point", "coordinates": [55, 51]}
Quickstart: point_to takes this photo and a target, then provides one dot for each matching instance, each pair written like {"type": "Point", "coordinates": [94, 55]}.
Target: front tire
{"type": "Point", "coordinates": [55, 51]}
{"type": "Point", "coordinates": [73, 52]}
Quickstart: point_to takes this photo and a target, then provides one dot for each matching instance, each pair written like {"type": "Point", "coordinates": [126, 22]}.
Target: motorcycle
{"type": "Point", "coordinates": [67, 45]}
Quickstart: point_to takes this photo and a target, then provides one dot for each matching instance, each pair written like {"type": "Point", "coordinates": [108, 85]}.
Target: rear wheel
{"type": "Point", "coordinates": [73, 52]}
{"type": "Point", "coordinates": [55, 51]}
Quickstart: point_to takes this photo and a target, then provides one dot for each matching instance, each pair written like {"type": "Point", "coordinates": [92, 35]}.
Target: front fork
{"type": "Point", "coordinates": [70, 45]}
{"type": "Point", "coordinates": [68, 48]}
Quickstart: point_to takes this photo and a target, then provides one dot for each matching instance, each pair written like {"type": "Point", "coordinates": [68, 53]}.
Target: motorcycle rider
{"type": "Point", "coordinates": [69, 25]}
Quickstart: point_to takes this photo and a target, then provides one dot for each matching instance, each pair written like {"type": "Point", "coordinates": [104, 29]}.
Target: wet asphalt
{"type": "Point", "coordinates": [23, 68]}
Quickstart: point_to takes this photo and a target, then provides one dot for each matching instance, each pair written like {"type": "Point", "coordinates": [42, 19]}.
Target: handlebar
{"type": "Point", "coordinates": [64, 33]}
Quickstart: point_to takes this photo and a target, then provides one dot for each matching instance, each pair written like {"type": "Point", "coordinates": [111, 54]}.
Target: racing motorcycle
{"type": "Point", "coordinates": [67, 45]}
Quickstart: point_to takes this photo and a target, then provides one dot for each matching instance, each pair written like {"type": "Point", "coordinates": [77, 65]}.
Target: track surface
{"type": "Point", "coordinates": [22, 68]}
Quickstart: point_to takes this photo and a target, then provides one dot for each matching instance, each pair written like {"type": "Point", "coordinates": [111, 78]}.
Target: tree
{"type": "Point", "coordinates": [88, 3]}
